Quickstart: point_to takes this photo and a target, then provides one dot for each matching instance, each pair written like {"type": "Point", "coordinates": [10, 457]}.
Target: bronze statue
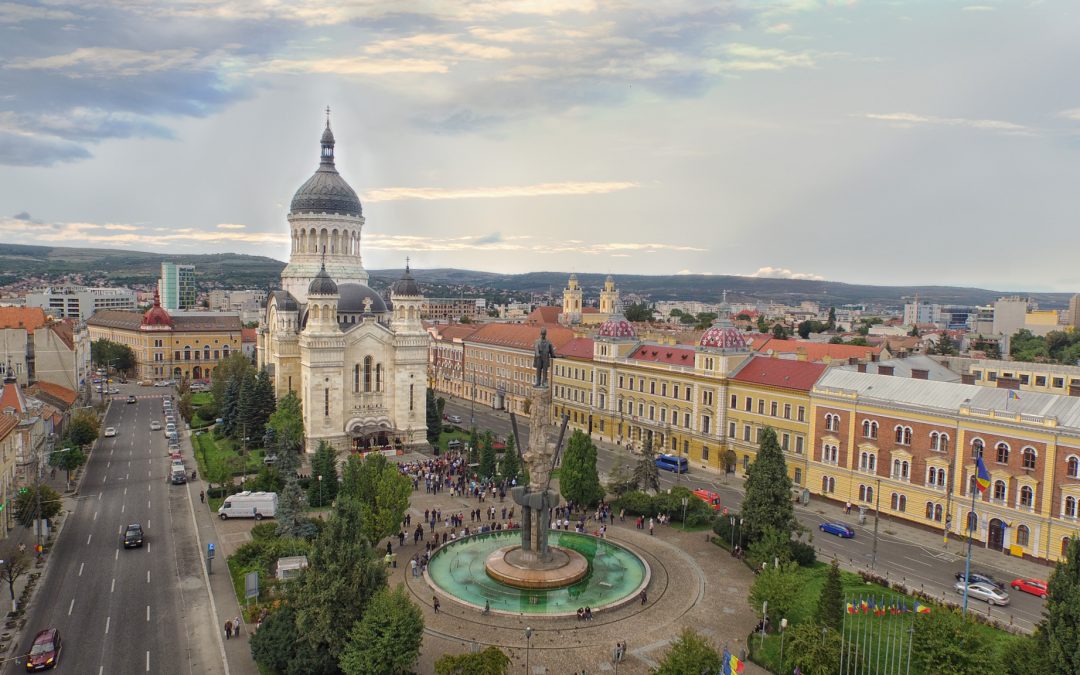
{"type": "Point", "coordinates": [543, 353]}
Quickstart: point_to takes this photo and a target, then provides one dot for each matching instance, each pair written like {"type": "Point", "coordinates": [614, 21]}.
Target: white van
{"type": "Point", "coordinates": [257, 505]}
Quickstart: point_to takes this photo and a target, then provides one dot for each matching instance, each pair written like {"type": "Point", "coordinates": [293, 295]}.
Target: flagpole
{"type": "Point", "coordinates": [888, 642]}
{"type": "Point", "coordinates": [967, 561]}
{"type": "Point", "coordinates": [843, 635]}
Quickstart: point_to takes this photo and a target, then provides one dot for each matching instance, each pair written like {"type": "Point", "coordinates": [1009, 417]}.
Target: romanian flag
{"type": "Point", "coordinates": [851, 608]}
{"type": "Point", "coordinates": [873, 607]}
{"type": "Point", "coordinates": [863, 605]}
{"type": "Point", "coordinates": [921, 608]}
{"type": "Point", "coordinates": [730, 664]}
{"type": "Point", "coordinates": [982, 476]}
{"type": "Point", "coordinates": [1013, 396]}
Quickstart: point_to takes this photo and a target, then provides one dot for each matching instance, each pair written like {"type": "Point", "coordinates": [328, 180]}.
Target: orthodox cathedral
{"type": "Point", "coordinates": [356, 359]}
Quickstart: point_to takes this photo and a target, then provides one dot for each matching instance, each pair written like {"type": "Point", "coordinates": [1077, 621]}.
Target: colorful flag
{"type": "Point", "coordinates": [903, 607]}
{"type": "Point", "coordinates": [862, 605]}
{"type": "Point", "coordinates": [921, 608]}
{"type": "Point", "coordinates": [1013, 396]}
{"type": "Point", "coordinates": [982, 476]}
{"type": "Point", "coordinates": [730, 664]}
{"type": "Point", "coordinates": [895, 609]}
{"type": "Point", "coordinates": [851, 608]}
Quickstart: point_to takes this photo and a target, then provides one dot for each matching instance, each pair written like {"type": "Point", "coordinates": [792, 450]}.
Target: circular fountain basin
{"type": "Point", "coordinates": [613, 575]}
{"type": "Point", "coordinates": [513, 566]}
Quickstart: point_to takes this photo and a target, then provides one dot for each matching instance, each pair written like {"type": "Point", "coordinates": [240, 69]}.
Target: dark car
{"type": "Point", "coordinates": [133, 536]}
{"type": "Point", "coordinates": [839, 529]}
{"type": "Point", "coordinates": [980, 578]}
{"type": "Point", "coordinates": [130, 399]}
{"type": "Point", "coordinates": [45, 651]}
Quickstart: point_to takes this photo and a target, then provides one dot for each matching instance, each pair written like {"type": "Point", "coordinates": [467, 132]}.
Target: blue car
{"type": "Point", "coordinates": [839, 529]}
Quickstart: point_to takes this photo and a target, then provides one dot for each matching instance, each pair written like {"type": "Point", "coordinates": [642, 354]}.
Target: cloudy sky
{"type": "Point", "coordinates": [891, 142]}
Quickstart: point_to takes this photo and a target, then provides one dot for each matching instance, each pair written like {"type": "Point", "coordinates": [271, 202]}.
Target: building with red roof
{"type": "Point", "coordinates": [823, 352]}
{"type": "Point", "coordinates": [38, 348]}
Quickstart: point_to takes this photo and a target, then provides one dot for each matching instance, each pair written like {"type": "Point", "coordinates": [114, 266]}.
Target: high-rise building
{"type": "Point", "coordinates": [177, 286]}
{"type": "Point", "coordinates": [80, 302]}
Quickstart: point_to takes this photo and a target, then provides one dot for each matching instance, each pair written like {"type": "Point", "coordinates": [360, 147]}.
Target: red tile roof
{"type": "Point", "coordinates": [816, 351]}
{"type": "Point", "coordinates": [248, 335]}
{"type": "Point", "coordinates": [63, 394]}
{"type": "Point", "coordinates": [454, 331]}
{"type": "Point", "coordinates": [590, 310]}
{"type": "Point", "coordinates": [65, 331]}
{"type": "Point", "coordinates": [30, 318]}
{"type": "Point", "coordinates": [677, 356]}
{"type": "Point", "coordinates": [578, 348]}
{"type": "Point", "coordinates": [7, 424]}
{"type": "Point", "coordinates": [518, 336]}
{"type": "Point", "coordinates": [12, 397]}
{"type": "Point", "coordinates": [784, 373]}
{"type": "Point", "coordinates": [546, 315]}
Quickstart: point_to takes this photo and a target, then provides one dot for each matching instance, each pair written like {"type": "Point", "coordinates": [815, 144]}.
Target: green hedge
{"type": "Point", "coordinates": [638, 503]}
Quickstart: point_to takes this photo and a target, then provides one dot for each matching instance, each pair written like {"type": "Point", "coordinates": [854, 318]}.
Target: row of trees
{"type": "Point", "coordinates": [1055, 347]}
{"type": "Point", "coordinates": [106, 353]}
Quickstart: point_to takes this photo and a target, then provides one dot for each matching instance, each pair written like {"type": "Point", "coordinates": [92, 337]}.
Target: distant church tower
{"type": "Point", "coordinates": [571, 301]}
{"type": "Point", "coordinates": [609, 297]}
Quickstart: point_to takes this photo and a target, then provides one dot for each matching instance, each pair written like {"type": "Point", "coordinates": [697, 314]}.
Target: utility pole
{"type": "Point", "coordinates": [877, 512]}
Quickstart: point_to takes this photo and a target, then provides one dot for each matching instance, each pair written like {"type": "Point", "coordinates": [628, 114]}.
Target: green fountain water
{"type": "Point", "coordinates": [615, 574]}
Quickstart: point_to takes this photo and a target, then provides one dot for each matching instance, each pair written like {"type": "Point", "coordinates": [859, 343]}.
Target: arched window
{"type": "Point", "coordinates": [894, 501]}
{"type": "Point", "coordinates": [929, 510]}
{"type": "Point", "coordinates": [206, 353]}
{"type": "Point", "coordinates": [1029, 457]}
{"type": "Point", "coordinates": [895, 468]}
{"type": "Point", "coordinates": [1023, 535]}
{"type": "Point", "coordinates": [973, 521]}
{"type": "Point", "coordinates": [832, 422]}
{"type": "Point", "coordinates": [1072, 467]}
{"type": "Point", "coordinates": [866, 493]}
{"type": "Point", "coordinates": [972, 486]}
{"type": "Point", "coordinates": [225, 351]}
{"type": "Point", "coordinates": [367, 373]}
{"type": "Point", "coordinates": [931, 476]}
{"type": "Point", "coordinates": [378, 377]}
{"type": "Point", "coordinates": [902, 506]}
{"type": "Point", "coordinates": [977, 447]}
{"type": "Point", "coordinates": [187, 352]}
{"type": "Point", "coordinates": [934, 436]}
{"type": "Point", "coordinates": [1069, 510]}
{"type": "Point", "coordinates": [999, 490]}
{"type": "Point", "coordinates": [899, 434]}
{"type": "Point", "coordinates": [1003, 453]}
{"type": "Point", "coordinates": [866, 428]}
{"type": "Point", "coordinates": [1027, 496]}
{"type": "Point", "coordinates": [937, 513]}
{"type": "Point", "coordinates": [905, 470]}
{"type": "Point", "coordinates": [943, 443]}
{"type": "Point", "coordinates": [873, 429]}
{"type": "Point", "coordinates": [824, 484]}
{"type": "Point", "coordinates": [356, 378]}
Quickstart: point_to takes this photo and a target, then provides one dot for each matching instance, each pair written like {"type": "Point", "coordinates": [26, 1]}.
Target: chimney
{"type": "Point", "coordinates": [884, 370]}
{"type": "Point", "coordinates": [920, 374]}
{"type": "Point", "coordinates": [861, 367]}
{"type": "Point", "coordinates": [1074, 388]}
{"type": "Point", "coordinates": [1008, 383]}
{"type": "Point", "coordinates": [967, 378]}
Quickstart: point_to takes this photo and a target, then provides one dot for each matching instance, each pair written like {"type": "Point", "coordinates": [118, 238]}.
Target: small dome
{"type": "Point", "coordinates": [616, 327]}
{"type": "Point", "coordinates": [354, 298]}
{"type": "Point", "coordinates": [322, 284]}
{"type": "Point", "coordinates": [156, 316]}
{"type": "Point", "coordinates": [326, 191]}
{"type": "Point", "coordinates": [327, 136]}
{"type": "Point", "coordinates": [406, 285]}
{"type": "Point", "coordinates": [723, 335]}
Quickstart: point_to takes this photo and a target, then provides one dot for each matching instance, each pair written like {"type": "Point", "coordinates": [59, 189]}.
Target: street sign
{"type": "Point", "coordinates": [210, 550]}
{"type": "Point", "coordinates": [251, 585]}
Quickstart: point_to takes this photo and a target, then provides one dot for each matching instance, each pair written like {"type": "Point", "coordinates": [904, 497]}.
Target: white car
{"type": "Point", "coordinates": [110, 432]}
{"type": "Point", "coordinates": [983, 591]}
{"type": "Point", "coordinates": [155, 426]}
{"type": "Point", "coordinates": [454, 419]}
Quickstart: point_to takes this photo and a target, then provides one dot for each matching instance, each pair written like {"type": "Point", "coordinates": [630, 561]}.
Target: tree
{"type": "Point", "coordinates": [106, 353]}
{"type": "Point", "coordinates": [474, 446]}
{"type": "Point", "coordinates": [510, 467]}
{"type": "Point", "coordinates": [691, 653]}
{"type": "Point", "coordinates": [290, 512]}
{"type": "Point", "coordinates": [1062, 611]}
{"type": "Point", "coordinates": [187, 410]}
{"type": "Point", "coordinates": [387, 638]}
{"type": "Point", "coordinates": [804, 329]}
{"type": "Point", "coordinates": [265, 401]}
{"type": "Point", "coordinates": [947, 642]}
{"type": "Point", "coordinates": [323, 489]}
{"type": "Point", "coordinates": [779, 332]}
{"type": "Point", "coordinates": [13, 566]}
{"type": "Point", "coordinates": [230, 407]}
{"type": "Point", "coordinates": [639, 312]}
{"type": "Point", "coordinates": [814, 649]}
{"type": "Point", "coordinates": [768, 491]}
{"type": "Point", "coordinates": [1025, 654]}
{"type": "Point", "coordinates": [36, 502]}
{"type": "Point", "coordinates": [247, 423]}
{"type": "Point", "coordinates": [440, 406]}
{"type": "Point", "coordinates": [434, 421]}
{"type": "Point", "coordinates": [730, 460]}
{"type": "Point", "coordinates": [762, 327]}
{"type": "Point", "coordinates": [646, 475]}
{"type": "Point", "coordinates": [578, 479]}
{"type": "Point", "coordinates": [273, 644]}
{"type": "Point", "coordinates": [287, 421]}
{"type": "Point", "coordinates": [621, 480]}
{"type": "Point", "coordinates": [490, 661]}
{"type": "Point", "coordinates": [488, 460]}
{"type": "Point", "coordinates": [945, 345]}
{"type": "Point", "coordinates": [831, 323]}
{"type": "Point", "coordinates": [226, 371]}
{"type": "Point", "coordinates": [83, 428]}
{"type": "Point", "coordinates": [380, 491]}
{"type": "Point", "coordinates": [67, 459]}
{"type": "Point", "coordinates": [779, 586]}
{"type": "Point", "coordinates": [830, 607]}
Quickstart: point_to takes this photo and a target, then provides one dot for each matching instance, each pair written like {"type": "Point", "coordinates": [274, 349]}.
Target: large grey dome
{"type": "Point", "coordinates": [352, 299]}
{"type": "Point", "coordinates": [326, 191]}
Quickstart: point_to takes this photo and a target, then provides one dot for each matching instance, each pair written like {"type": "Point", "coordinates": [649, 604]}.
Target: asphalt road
{"type": "Point", "coordinates": [903, 552]}
{"type": "Point", "coordinates": [124, 611]}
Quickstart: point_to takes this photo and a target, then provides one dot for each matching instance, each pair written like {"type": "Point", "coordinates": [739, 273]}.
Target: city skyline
{"type": "Point", "coordinates": [892, 144]}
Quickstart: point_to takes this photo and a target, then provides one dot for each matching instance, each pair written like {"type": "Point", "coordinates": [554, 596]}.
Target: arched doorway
{"type": "Point", "coordinates": [196, 373]}
{"type": "Point", "coordinates": [177, 373]}
{"type": "Point", "coordinates": [996, 537]}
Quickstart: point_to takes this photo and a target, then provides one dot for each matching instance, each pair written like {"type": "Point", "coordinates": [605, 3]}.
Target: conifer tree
{"type": "Point", "coordinates": [510, 468]}
{"type": "Point", "coordinates": [768, 491]}
{"type": "Point", "coordinates": [290, 510]}
{"type": "Point", "coordinates": [646, 475]}
{"type": "Point", "coordinates": [487, 456]}
{"type": "Point", "coordinates": [830, 607]}
{"type": "Point", "coordinates": [434, 422]}
{"type": "Point", "coordinates": [229, 406]}
{"type": "Point", "coordinates": [324, 463]}
{"type": "Point", "coordinates": [578, 478]}
{"type": "Point", "coordinates": [1062, 610]}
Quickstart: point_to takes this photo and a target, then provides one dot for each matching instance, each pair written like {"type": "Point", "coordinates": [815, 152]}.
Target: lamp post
{"type": "Point", "coordinates": [684, 502]}
{"type": "Point", "coordinates": [783, 625]}
{"type": "Point", "coordinates": [528, 646]}
{"type": "Point", "coordinates": [318, 477]}
{"type": "Point", "coordinates": [732, 521]}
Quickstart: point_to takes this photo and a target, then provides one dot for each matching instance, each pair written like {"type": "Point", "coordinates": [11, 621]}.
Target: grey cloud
{"type": "Point", "coordinates": [23, 150]}
{"type": "Point", "coordinates": [22, 215]}
{"type": "Point", "coordinates": [493, 238]}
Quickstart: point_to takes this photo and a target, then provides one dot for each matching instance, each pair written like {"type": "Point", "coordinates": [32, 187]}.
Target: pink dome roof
{"type": "Point", "coordinates": [156, 316]}
{"type": "Point", "coordinates": [616, 327]}
{"type": "Point", "coordinates": [723, 335]}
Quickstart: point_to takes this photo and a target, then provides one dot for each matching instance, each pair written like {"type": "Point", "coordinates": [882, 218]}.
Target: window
{"type": "Point", "coordinates": [663, 388]}
{"type": "Point", "coordinates": [687, 396]}
{"type": "Point", "coordinates": [937, 513]}
{"type": "Point", "coordinates": [1069, 508]}
{"type": "Point", "coordinates": [326, 402]}
{"type": "Point", "coordinates": [761, 406]}
{"type": "Point", "coordinates": [686, 420]}
{"type": "Point", "coordinates": [901, 469]}
{"type": "Point", "coordinates": [939, 441]}
{"type": "Point", "coordinates": [832, 422]}
{"type": "Point", "coordinates": [773, 408]}
{"type": "Point", "coordinates": [367, 373]}
{"type": "Point", "coordinates": [972, 521]}
{"type": "Point", "coordinates": [903, 435]}
{"type": "Point", "coordinates": [734, 398]}
{"type": "Point", "coordinates": [977, 448]}
{"type": "Point", "coordinates": [999, 490]}
{"type": "Point", "coordinates": [935, 477]}
{"type": "Point", "coordinates": [1072, 467]}
{"type": "Point", "coordinates": [356, 378]}
{"type": "Point", "coordinates": [802, 414]}
{"type": "Point", "coordinates": [704, 453]}
{"type": "Point", "coordinates": [1040, 380]}
{"type": "Point", "coordinates": [929, 510]}
{"type": "Point", "coordinates": [866, 493]}
{"type": "Point", "coordinates": [652, 387]}
{"type": "Point", "coordinates": [869, 429]}
{"type": "Point", "coordinates": [1029, 457]}
{"type": "Point", "coordinates": [798, 476]}
{"type": "Point", "coordinates": [828, 485]}
{"type": "Point", "coordinates": [1027, 496]}
{"type": "Point", "coordinates": [1023, 535]}
{"type": "Point", "coordinates": [745, 463]}
{"type": "Point", "coordinates": [899, 502]}
{"type": "Point", "coordinates": [798, 445]}
{"type": "Point", "coordinates": [1058, 382]}
{"type": "Point", "coordinates": [785, 441]}
{"type": "Point", "coordinates": [1003, 453]}
{"type": "Point", "coordinates": [830, 454]}
{"type": "Point", "coordinates": [748, 404]}
{"type": "Point", "coordinates": [705, 422]}
{"type": "Point", "coordinates": [1064, 547]}
{"type": "Point", "coordinates": [731, 430]}
{"type": "Point", "coordinates": [868, 462]}
{"type": "Point", "coordinates": [787, 411]}
{"type": "Point", "coordinates": [746, 432]}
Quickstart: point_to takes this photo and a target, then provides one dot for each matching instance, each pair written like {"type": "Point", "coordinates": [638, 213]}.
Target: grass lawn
{"type": "Point", "coordinates": [211, 452]}
{"type": "Point", "coordinates": [201, 398]}
{"type": "Point", "coordinates": [854, 587]}
{"type": "Point", "coordinates": [447, 436]}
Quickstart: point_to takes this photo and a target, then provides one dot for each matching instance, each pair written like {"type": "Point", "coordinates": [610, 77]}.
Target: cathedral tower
{"type": "Point", "coordinates": [571, 303]}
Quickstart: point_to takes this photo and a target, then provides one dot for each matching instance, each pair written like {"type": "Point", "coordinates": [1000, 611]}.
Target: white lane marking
{"type": "Point", "coordinates": [126, 476]}
{"type": "Point", "coordinates": [88, 537]}
{"type": "Point", "coordinates": [148, 614]}
{"type": "Point", "coordinates": [71, 606]}
{"type": "Point", "coordinates": [147, 503]}
{"type": "Point", "coordinates": [918, 561]}
{"type": "Point", "coordinates": [122, 507]}
{"type": "Point", "coordinates": [108, 620]}
{"type": "Point", "coordinates": [99, 495]}
{"type": "Point", "coordinates": [108, 464]}
{"type": "Point", "coordinates": [112, 588]}
{"type": "Point", "coordinates": [148, 523]}
{"type": "Point", "coordinates": [95, 515]}
{"type": "Point", "coordinates": [117, 555]}
{"type": "Point", "coordinates": [103, 479]}
{"type": "Point", "coordinates": [80, 568]}
{"type": "Point", "coordinates": [148, 651]}
{"type": "Point", "coordinates": [100, 669]}
{"type": "Point", "coordinates": [125, 490]}
{"type": "Point", "coordinates": [147, 576]}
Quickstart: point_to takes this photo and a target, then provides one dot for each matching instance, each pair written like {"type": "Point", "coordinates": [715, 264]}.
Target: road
{"type": "Point", "coordinates": [903, 552]}
{"type": "Point", "coordinates": [136, 610]}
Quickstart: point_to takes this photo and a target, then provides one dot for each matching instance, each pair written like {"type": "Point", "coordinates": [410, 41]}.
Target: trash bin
{"type": "Point", "coordinates": [862, 515]}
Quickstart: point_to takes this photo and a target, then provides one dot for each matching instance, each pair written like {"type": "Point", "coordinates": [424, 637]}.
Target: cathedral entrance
{"type": "Point", "coordinates": [367, 436]}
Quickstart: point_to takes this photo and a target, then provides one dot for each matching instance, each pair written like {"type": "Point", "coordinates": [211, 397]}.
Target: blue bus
{"type": "Point", "coordinates": [672, 463]}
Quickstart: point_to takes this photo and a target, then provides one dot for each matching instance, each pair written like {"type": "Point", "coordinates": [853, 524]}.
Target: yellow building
{"type": "Point", "coordinates": [910, 445]}
{"type": "Point", "coordinates": [181, 346]}
{"type": "Point", "coordinates": [1048, 378]}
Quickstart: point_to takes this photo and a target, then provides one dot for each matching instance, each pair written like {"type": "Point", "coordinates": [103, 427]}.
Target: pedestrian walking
{"type": "Point", "coordinates": [228, 629]}
{"type": "Point", "coordinates": [644, 597]}
{"type": "Point", "coordinates": [202, 497]}
{"type": "Point", "coordinates": [236, 626]}
{"type": "Point", "coordinates": [650, 526]}
{"type": "Point", "coordinates": [435, 603]}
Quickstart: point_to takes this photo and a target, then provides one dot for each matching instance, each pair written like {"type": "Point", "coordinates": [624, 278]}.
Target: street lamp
{"type": "Point", "coordinates": [783, 625]}
{"type": "Point", "coordinates": [684, 502]}
{"type": "Point", "coordinates": [319, 478]}
{"type": "Point", "coordinates": [732, 521]}
{"type": "Point", "coordinates": [528, 645]}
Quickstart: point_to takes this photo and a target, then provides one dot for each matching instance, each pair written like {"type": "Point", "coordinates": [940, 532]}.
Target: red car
{"type": "Point", "coordinates": [45, 652]}
{"type": "Point", "coordinates": [1036, 587]}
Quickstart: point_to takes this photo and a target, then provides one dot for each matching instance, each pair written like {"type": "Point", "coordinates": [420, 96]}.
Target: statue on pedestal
{"type": "Point", "coordinates": [543, 353]}
{"type": "Point", "coordinates": [537, 498]}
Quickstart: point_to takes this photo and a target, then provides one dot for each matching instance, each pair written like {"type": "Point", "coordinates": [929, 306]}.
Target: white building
{"type": "Point", "coordinates": [357, 360]}
{"type": "Point", "coordinates": [80, 302]}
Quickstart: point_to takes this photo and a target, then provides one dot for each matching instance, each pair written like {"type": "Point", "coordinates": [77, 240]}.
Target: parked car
{"type": "Point", "coordinates": [44, 651]}
{"type": "Point", "coordinates": [155, 426]}
{"type": "Point", "coordinates": [133, 536]}
{"type": "Point", "coordinates": [980, 578]}
{"type": "Point", "coordinates": [839, 529]}
{"type": "Point", "coordinates": [110, 432]}
{"type": "Point", "coordinates": [983, 591]}
{"type": "Point", "coordinates": [1036, 587]}
{"type": "Point", "coordinates": [454, 419]}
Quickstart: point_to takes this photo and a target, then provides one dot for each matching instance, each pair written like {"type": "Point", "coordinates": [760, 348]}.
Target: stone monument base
{"type": "Point", "coordinates": [513, 566]}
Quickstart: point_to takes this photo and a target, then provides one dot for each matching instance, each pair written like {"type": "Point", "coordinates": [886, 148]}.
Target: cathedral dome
{"type": "Point", "coordinates": [322, 284]}
{"type": "Point", "coordinates": [723, 335]}
{"type": "Point", "coordinates": [354, 299]}
{"type": "Point", "coordinates": [326, 191]}
{"type": "Point", "coordinates": [156, 317]}
{"type": "Point", "coordinates": [406, 285]}
{"type": "Point", "coordinates": [616, 327]}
